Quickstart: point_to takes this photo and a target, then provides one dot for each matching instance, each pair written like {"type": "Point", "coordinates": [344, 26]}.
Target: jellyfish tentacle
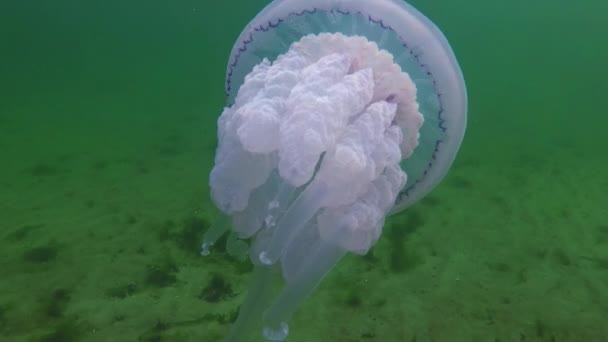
{"type": "Point", "coordinates": [237, 248]}
{"type": "Point", "coordinates": [299, 213]}
{"type": "Point", "coordinates": [297, 252]}
{"type": "Point", "coordinates": [248, 222]}
{"type": "Point", "coordinates": [322, 259]}
{"type": "Point", "coordinates": [250, 313]}
{"type": "Point", "coordinates": [278, 204]}
{"type": "Point", "coordinates": [214, 233]}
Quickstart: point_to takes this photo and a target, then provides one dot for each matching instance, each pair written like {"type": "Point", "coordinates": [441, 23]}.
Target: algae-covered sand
{"type": "Point", "coordinates": [107, 136]}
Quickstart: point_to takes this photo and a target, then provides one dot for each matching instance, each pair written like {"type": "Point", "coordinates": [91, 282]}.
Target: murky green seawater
{"type": "Point", "coordinates": [107, 135]}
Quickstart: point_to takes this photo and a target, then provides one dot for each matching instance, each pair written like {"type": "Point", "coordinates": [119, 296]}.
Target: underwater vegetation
{"type": "Point", "coordinates": [41, 254]}
{"type": "Point", "coordinates": [338, 114]}
{"type": "Point", "coordinates": [217, 289]}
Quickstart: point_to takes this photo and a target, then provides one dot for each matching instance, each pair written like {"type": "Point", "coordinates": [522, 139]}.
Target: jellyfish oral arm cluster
{"type": "Point", "coordinates": [313, 149]}
{"type": "Point", "coordinates": [317, 135]}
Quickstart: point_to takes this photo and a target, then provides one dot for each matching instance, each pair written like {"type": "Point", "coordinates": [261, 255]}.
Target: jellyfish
{"type": "Point", "coordinates": [338, 114]}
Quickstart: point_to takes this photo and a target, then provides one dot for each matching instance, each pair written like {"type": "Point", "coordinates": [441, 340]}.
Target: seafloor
{"type": "Point", "coordinates": [107, 135]}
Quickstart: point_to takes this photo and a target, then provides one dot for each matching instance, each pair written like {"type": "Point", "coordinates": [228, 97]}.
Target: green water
{"type": "Point", "coordinates": [107, 135]}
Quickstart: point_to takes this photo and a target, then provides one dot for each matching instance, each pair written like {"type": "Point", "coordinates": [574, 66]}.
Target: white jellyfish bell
{"type": "Point", "coordinates": [338, 113]}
